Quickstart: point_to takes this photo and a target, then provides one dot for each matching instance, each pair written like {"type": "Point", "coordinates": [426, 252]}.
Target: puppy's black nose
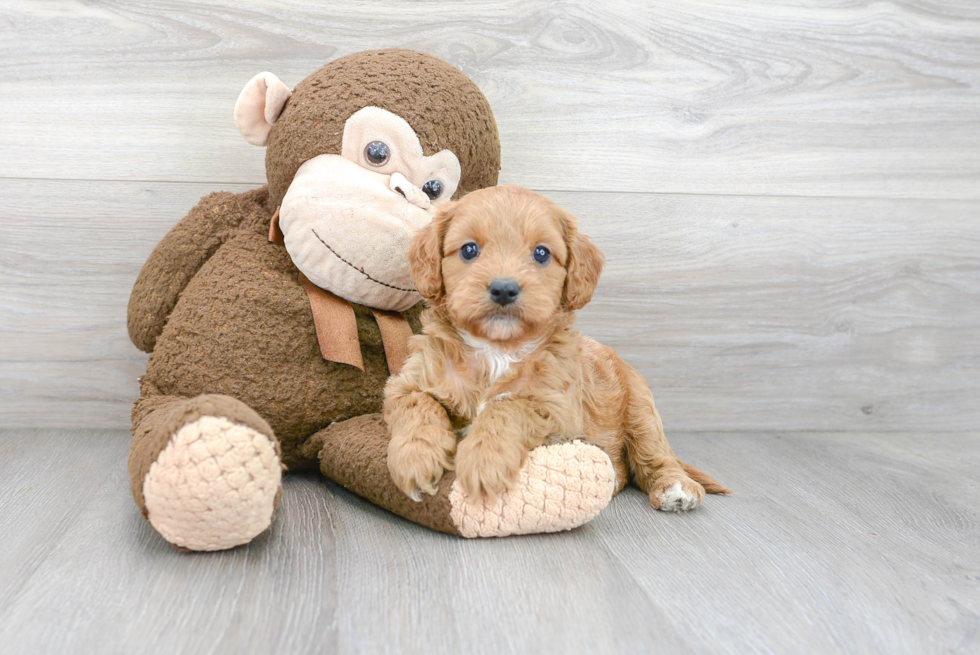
{"type": "Point", "coordinates": [504, 290]}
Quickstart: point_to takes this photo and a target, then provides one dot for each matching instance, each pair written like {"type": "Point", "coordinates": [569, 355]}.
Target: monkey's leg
{"type": "Point", "coordinates": [205, 471]}
{"type": "Point", "coordinates": [560, 487]}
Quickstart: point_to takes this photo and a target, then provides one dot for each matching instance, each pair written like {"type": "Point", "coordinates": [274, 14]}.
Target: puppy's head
{"type": "Point", "coordinates": [503, 262]}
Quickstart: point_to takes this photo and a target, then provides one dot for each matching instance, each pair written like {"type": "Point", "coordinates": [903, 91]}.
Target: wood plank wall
{"type": "Point", "coordinates": [788, 195]}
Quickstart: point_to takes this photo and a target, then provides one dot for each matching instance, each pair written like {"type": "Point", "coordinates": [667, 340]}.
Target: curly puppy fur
{"type": "Point", "coordinates": [511, 374]}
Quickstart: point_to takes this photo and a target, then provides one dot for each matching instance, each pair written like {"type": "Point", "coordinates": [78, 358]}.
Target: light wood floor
{"type": "Point", "coordinates": [831, 543]}
{"type": "Point", "coordinates": [788, 196]}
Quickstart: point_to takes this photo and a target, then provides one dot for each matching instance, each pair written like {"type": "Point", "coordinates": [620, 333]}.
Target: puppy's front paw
{"type": "Point", "coordinates": [676, 494]}
{"type": "Point", "coordinates": [417, 462]}
{"type": "Point", "coordinates": [488, 468]}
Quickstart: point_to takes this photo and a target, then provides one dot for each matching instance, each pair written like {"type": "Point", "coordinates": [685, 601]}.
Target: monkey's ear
{"type": "Point", "coordinates": [584, 265]}
{"type": "Point", "coordinates": [425, 254]}
{"type": "Point", "coordinates": [259, 105]}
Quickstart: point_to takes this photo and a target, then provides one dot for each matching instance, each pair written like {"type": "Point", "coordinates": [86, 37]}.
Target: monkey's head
{"type": "Point", "coordinates": [359, 155]}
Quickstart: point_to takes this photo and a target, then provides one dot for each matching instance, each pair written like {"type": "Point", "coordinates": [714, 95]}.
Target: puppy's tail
{"type": "Point", "coordinates": [710, 485]}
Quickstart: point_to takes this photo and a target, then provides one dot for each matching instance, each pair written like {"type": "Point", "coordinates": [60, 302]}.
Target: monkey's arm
{"type": "Point", "coordinates": [181, 254]}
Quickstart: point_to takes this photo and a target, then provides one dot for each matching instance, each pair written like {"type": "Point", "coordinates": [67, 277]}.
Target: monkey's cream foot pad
{"type": "Point", "coordinates": [560, 487]}
{"type": "Point", "coordinates": [214, 486]}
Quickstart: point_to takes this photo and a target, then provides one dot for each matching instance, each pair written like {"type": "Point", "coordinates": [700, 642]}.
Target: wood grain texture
{"type": "Point", "coordinates": [742, 312]}
{"type": "Point", "coordinates": [842, 98]}
{"type": "Point", "coordinates": [789, 200]}
{"type": "Point", "coordinates": [832, 543]}
{"type": "Point", "coordinates": [100, 580]}
{"type": "Point", "coordinates": [884, 530]}
{"type": "Point", "coordinates": [790, 313]}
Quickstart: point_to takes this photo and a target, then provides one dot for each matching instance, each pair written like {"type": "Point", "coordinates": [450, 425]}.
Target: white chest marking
{"type": "Point", "coordinates": [496, 361]}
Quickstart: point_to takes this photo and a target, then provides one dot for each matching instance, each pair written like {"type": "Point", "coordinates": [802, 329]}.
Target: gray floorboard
{"type": "Point", "coordinates": [787, 197]}
{"type": "Point", "coordinates": [832, 543]}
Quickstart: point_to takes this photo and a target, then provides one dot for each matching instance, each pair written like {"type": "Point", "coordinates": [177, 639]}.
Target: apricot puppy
{"type": "Point", "coordinates": [502, 272]}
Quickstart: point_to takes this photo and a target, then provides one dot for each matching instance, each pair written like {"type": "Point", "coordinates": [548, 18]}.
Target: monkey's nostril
{"type": "Point", "coordinates": [504, 291]}
{"type": "Point", "coordinates": [398, 189]}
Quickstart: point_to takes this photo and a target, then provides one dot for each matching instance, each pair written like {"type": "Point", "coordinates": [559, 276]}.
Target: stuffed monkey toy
{"type": "Point", "coordinates": [273, 317]}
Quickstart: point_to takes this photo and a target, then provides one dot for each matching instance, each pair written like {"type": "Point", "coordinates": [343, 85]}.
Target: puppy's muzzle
{"type": "Point", "coordinates": [504, 290]}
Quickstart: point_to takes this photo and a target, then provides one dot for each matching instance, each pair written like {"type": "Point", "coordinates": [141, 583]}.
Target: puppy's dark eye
{"type": "Point", "coordinates": [433, 189]}
{"type": "Point", "coordinates": [469, 251]}
{"type": "Point", "coordinates": [542, 255]}
{"type": "Point", "coordinates": [377, 153]}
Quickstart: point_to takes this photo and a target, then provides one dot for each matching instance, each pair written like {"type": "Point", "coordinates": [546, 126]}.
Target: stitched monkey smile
{"type": "Point", "coordinates": [357, 268]}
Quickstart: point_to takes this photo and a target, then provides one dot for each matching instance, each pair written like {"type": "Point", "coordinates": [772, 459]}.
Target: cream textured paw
{"type": "Point", "coordinates": [560, 487]}
{"type": "Point", "coordinates": [214, 486]}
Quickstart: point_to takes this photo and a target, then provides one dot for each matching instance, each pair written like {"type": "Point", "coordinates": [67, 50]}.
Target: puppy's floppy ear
{"type": "Point", "coordinates": [425, 254]}
{"type": "Point", "coordinates": [583, 266]}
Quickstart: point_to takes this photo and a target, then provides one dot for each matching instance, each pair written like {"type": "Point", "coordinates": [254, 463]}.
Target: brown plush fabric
{"type": "Point", "coordinates": [188, 245]}
{"type": "Point", "coordinates": [227, 322]}
{"type": "Point", "coordinates": [157, 418]}
{"type": "Point", "coordinates": [444, 107]}
{"type": "Point", "coordinates": [354, 453]}
{"type": "Point", "coordinates": [244, 328]}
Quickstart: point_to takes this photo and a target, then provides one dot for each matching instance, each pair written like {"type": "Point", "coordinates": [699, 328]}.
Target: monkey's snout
{"type": "Point", "coordinates": [400, 184]}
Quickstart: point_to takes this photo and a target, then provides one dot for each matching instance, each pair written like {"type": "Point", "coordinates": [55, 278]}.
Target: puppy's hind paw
{"type": "Point", "coordinates": [679, 496]}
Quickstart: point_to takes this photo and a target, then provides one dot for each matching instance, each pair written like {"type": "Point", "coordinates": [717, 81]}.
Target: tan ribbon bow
{"type": "Point", "coordinates": [336, 323]}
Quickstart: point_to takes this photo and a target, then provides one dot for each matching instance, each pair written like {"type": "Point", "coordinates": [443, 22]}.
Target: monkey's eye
{"type": "Point", "coordinates": [377, 153]}
{"type": "Point", "coordinates": [469, 251]}
{"type": "Point", "coordinates": [433, 189]}
{"type": "Point", "coordinates": [542, 255]}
